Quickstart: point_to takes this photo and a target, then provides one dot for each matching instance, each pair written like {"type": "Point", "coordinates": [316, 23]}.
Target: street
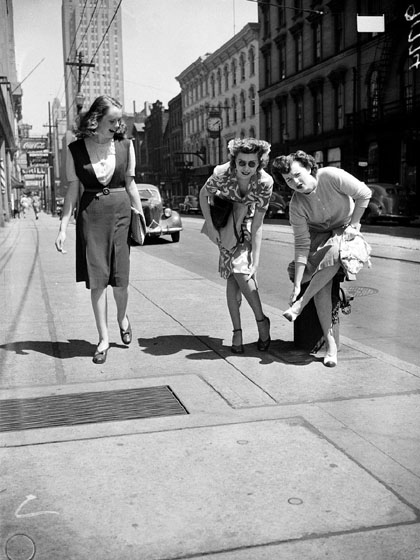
{"type": "Point", "coordinates": [176, 448]}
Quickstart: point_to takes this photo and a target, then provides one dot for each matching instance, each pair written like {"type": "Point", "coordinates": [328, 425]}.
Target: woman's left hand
{"type": "Point", "coordinates": [252, 274]}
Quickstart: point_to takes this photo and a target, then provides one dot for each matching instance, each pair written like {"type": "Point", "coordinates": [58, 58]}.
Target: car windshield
{"type": "Point", "coordinates": [149, 194]}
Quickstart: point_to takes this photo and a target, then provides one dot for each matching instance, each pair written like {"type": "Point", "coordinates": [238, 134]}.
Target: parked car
{"type": "Point", "coordinates": [278, 206]}
{"type": "Point", "coordinates": [177, 201]}
{"type": "Point", "coordinates": [389, 202]}
{"type": "Point", "coordinates": [190, 205]}
{"type": "Point", "coordinates": [159, 220]}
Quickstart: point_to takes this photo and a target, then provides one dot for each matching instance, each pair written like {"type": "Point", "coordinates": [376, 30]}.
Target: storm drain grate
{"type": "Point", "coordinates": [88, 408]}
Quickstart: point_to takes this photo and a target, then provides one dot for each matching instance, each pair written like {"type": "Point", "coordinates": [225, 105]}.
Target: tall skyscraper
{"type": "Point", "coordinates": [92, 49]}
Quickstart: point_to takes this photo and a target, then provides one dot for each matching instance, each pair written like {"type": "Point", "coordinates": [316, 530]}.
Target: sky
{"type": "Point", "coordinates": [160, 39]}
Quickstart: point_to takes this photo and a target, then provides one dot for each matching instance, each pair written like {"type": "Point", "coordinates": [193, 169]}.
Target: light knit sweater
{"type": "Point", "coordinates": [329, 206]}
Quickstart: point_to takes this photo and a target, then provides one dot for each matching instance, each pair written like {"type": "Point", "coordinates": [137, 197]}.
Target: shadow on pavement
{"type": "Point", "coordinates": [64, 350]}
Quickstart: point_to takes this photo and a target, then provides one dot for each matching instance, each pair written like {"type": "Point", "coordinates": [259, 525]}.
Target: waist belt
{"type": "Point", "coordinates": [105, 191]}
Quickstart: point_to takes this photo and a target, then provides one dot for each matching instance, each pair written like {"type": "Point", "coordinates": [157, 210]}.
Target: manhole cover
{"type": "Point", "coordinates": [358, 291]}
{"type": "Point", "coordinates": [20, 547]}
{"type": "Point", "coordinates": [88, 408]}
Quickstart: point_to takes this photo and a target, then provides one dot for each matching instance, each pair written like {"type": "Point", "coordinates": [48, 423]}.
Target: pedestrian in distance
{"type": "Point", "coordinates": [36, 205]}
{"type": "Point", "coordinates": [326, 207]}
{"type": "Point", "coordinates": [25, 203]}
{"type": "Point", "coordinates": [243, 181]}
{"type": "Point", "coordinates": [103, 160]}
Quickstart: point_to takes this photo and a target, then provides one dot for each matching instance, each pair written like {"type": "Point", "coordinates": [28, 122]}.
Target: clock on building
{"type": "Point", "coordinates": [214, 124]}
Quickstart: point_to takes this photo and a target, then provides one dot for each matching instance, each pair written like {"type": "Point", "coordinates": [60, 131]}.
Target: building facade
{"type": "Point", "coordinates": [93, 55]}
{"type": "Point", "coordinates": [349, 97]}
{"type": "Point", "coordinates": [223, 84]}
{"type": "Point", "coordinates": [10, 115]}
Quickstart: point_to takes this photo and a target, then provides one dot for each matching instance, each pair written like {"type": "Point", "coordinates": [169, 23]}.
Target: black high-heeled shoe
{"type": "Point", "coordinates": [99, 357]}
{"type": "Point", "coordinates": [126, 335]}
{"type": "Point", "coordinates": [263, 345]}
{"type": "Point", "coordinates": [237, 348]}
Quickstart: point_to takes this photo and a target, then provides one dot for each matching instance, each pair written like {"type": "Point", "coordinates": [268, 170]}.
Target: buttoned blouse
{"type": "Point", "coordinates": [102, 158]}
{"type": "Point", "coordinates": [224, 182]}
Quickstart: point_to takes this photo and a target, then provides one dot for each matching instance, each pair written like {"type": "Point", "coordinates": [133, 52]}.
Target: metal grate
{"type": "Point", "coordinates": [88, 408]}
{"type": "Point", "coordinates": [359, 291]}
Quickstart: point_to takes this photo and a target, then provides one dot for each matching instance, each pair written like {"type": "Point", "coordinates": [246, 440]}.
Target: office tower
{"type": "Point", "coordinates": [92, 49]}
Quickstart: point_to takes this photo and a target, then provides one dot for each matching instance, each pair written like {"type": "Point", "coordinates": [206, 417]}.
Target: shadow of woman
{"type": "Point", "coordinates": [72, 348]}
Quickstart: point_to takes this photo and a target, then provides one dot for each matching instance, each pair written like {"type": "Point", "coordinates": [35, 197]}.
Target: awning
{"type": "Point", "coordinates": [16, 184]}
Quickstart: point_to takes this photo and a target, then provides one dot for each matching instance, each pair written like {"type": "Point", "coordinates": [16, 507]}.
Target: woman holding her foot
{"type": "Point", "coordinates": [103, 160]}
{"type": "Point", "coordinates": [327, 204]}
{"type": "Point", "coordinates": [243, 181]}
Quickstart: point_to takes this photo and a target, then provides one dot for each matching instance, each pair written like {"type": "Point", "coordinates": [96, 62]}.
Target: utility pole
{"type": "Point", "coordinates": [80, 64]}
{"type": "Point", "coordinates": [51, 162]}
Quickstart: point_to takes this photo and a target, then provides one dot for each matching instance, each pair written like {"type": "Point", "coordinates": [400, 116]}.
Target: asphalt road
{"type": "Point", "coordinates": [384, 312]}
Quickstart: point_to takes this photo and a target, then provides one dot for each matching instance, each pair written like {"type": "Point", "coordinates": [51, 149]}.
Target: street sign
{"type": "Point", "coordinates": [34, 144]}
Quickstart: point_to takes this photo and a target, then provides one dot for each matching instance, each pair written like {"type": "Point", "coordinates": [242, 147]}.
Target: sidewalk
{"type": "Point", "coordinates": [277, 456]}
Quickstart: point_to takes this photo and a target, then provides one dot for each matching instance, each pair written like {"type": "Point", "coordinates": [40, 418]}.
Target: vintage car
{"type": "Point", "coordinates": [389, 202]}
{"type": "Point", "coordinates": [159, 220]}
{"type": "Point", "coordinates": [190, 205]}
{"type": "Point", "coordinates": [278, 206]}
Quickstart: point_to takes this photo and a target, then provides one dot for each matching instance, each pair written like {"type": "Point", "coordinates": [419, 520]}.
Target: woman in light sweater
{"type": "Point", "coordinates": [326, 204]}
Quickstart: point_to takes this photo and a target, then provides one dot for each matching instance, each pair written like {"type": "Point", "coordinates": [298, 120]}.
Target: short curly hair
{"type": "Point", "coordinates": [281, 164]}
{"type": "Point", "coordinates": [249, 146]}
{"type": "Point", "coordinates": [88, 121]}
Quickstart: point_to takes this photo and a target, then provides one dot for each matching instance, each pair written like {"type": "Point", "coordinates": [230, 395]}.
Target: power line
{"type": "Point", "coordinates": [88, 25]}
{"type": "Point", "coordinates": [263, 3]}
{"type": "Point", "coordinates": [77, 29]}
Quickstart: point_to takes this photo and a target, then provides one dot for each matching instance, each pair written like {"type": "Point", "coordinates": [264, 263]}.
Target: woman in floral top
{"type": "Point", "coordinates": [243, 181]}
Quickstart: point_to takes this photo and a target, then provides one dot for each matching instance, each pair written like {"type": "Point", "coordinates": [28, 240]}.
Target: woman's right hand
{"type": "Point", "coordinates": [59, 242]}
{"type": "Point", "coordinates": [214, 234]}
{"type": "Point", "coordinates": [294, 295]}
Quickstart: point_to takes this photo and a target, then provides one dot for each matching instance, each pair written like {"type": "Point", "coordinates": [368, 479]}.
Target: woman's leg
{"type": "Point", "coordinates": [250, 291]}
{"type": "Point", "coordinates": [233, 298]}
{"type": "Point", "coordinates": [318, 281]}
{"type": "Point", "coordinates": [121, 301]}
{"type": "Point", "coordinates": [323, 304]}
{"type": "Point", "coordinates": [100, 309]}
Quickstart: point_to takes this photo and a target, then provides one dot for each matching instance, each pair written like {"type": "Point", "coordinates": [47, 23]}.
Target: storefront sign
{"type": "Point", "coordinates": [414, 36]}
{"type": "Point", "coordinates": [34, 144]}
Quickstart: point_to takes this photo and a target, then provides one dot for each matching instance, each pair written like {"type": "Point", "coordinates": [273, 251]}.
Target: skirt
{"type": "Point", "coordinates": [239, 259]}
{"type": "Point", "coordinates": [102, 240]}
{"type": "Point", "coordinates": [324, 252]}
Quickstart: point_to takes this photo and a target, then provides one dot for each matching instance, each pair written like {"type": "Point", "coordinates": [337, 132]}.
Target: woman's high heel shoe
{"type": "Point", "coordinates": [330, 360]}
{"type": "Point", "coordinates": [126, 335]}
{"type": "Point", "coordinates": [263, 345]}
{"type": "Point", "coordinates": [99, 357]}
{"type": "Point", "coordinates": [237, 348]}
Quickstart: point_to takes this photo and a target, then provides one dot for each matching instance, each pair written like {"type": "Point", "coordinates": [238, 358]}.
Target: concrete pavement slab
{"type": "Point", "coordinates": [190, 492]}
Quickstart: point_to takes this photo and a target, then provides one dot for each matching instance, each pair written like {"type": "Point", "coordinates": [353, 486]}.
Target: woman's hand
{"type": "Point", "coordinates": [214, 234]}
{"type": "Point", "coordinates": [294, 295]}
{"type": "Point", "coordinates": [351, 231]}
{"type": "Point", "coordinates": [59, 242]}
{"type": "Point", "coordinates": [252, 274]}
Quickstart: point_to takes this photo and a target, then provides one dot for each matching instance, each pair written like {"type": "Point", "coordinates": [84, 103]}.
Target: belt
{"type": "Point", "coordinates": [105, 191]}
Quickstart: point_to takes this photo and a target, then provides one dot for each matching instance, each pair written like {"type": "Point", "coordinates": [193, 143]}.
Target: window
{"type": "Point", "coordinates": [338, 31]}
{"type": "Point", "coordinates": [282, 60]}
{"type": "Point", "coordinates": [339, 106]}
{"type": "Point", "coordinates": [252, 132]}
{"type": "Point", "coordinates": [318, 112]}
{"type": "Point", "coordinates": [299, 51]}
{"type": "Point", "coordinates": [234, 110]}
{"type": "Point", "coordinates": [251, 59]}
{"type": "Point", "coordinates": [219, 81]}
{"type": "Point", "coordinates": [265, 20]}
{"type": "Point", "coordinates": [267, 67]}
{"type": "Point", "coordinates": [227, 109]}
{"type": "Point", "coordinates": [233, 70]}
{"type": "Point", "coordinates": [242, 66]}
{"type": "Point", "coordinates": [317, 30]}
{"type": "Point", "coordinates": [212, 86]}
{"type": "Point", "coordinates": [408, 86]}
{"type": "Point", "coordinates": [334, 157]}
{"type": "Point", "coordinates": [252, 101]}
{"type": "Point", "coordinates": [373, 94]}
{"type": "Point", "coordinates": [281, 14]}
{"type": "Point", "coordinates": [299, 115]}
{"type": "Point", "coordinates": [243, 105]}
{"type": "Point", "coordinates": [268, 113]}
{"type": "Point", "coordinates": [282, 104]}
{"type": "Point", "coordinates": [226, 76]}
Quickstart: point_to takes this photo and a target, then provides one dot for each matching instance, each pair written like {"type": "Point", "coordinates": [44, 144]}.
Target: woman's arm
{"type": "Point", "coordinates": [133, 193]}
{"type": "Point", "coordinates": [256, 238]}
{"type": "Point", "coordinates": [70, 202]}
{"type": "Point", "coordinates": [205, 209]}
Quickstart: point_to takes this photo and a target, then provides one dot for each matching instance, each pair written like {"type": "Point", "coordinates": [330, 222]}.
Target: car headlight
{"type": "Point", "coordinates": [167, 212]}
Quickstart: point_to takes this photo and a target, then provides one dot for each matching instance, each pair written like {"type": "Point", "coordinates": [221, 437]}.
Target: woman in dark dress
{"type": "Point", "coordinates": [103, 161]}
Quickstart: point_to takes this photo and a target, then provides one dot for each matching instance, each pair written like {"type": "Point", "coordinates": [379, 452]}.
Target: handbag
{"type": "Point", "coordinates": [137, 227]}
{"type": "Point", "coordinates": [220, 210]}
{"type": "Point", "coordinates": [354, 253]}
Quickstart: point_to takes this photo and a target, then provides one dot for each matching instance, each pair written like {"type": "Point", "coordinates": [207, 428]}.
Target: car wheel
{"type": "Point", "coordinates": [175, 236]}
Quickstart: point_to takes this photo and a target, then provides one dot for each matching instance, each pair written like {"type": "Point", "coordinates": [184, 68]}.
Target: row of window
{"type": "Point", "coordinates": [225, 77]}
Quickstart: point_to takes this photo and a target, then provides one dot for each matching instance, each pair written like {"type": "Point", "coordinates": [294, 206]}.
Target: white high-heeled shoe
{"type": "Point", "coordinates": [330, 360]}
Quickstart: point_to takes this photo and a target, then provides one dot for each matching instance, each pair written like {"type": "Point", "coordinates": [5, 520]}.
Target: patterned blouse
{"type": "Point", "coordinates": [224, 182]}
